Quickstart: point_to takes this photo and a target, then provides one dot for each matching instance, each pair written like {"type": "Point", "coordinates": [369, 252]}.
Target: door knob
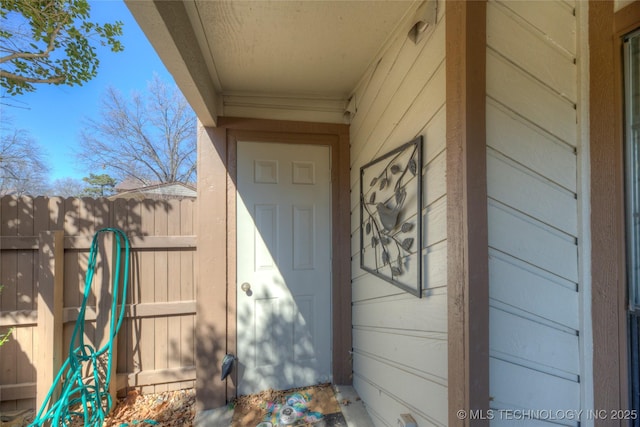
{"type": "Point", "coordinates": [246, 288]}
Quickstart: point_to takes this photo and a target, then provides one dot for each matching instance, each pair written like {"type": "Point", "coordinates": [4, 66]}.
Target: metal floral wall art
{"type": "Point", "coordinates": [391, 217]}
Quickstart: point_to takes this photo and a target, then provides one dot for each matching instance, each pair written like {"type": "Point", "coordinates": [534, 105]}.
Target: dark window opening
{"type": "Point", "coordinates": [632, 172]}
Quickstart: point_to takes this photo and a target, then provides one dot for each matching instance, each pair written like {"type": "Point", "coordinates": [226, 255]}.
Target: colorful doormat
{"type": "Point", "coordinates": [310, 406]}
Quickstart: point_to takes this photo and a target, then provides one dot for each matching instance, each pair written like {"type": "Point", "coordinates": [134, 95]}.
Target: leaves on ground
{"type": "Point", "coordinates": [168, 409]}
{"type": "Point", "coordinates": [177, 408]}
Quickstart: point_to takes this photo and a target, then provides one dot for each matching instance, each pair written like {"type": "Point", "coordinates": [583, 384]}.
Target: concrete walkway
{"type": "Point", "coordinates": [354, 413]}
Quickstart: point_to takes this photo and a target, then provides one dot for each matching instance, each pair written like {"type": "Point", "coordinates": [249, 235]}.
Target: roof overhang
{"type": "Point", "coordinates": [291, 60]}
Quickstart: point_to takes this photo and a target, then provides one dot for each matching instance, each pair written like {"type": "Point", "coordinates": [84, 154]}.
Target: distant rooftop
{"type": "Point", "coordinates": [132, 189]}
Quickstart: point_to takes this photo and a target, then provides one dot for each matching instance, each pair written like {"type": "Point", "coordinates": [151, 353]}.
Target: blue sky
{"type": "Point", "coordinates": [54, 115]}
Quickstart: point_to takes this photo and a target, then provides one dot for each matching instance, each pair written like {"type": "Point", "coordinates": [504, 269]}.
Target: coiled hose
{"type": "Point", "coordinates": [89, 398]}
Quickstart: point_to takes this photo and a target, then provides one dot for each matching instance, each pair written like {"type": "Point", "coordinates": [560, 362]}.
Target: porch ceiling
{"type": "Point", "coordinates": [246, 57]}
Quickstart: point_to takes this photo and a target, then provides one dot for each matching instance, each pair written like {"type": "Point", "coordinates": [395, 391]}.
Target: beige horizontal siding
{"type": "Point", "coordinates": [400, 341]}
{"type": "Point", "coordinates": [532, 182]}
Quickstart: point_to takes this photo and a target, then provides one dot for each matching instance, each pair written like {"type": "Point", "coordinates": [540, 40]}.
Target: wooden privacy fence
{"type": "Point", "coordinates": [44, 248]}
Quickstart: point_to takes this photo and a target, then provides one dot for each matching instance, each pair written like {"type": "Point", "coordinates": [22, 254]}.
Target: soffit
{"type": "Point", "coordinates": [265, 51]}
{"type": "Point", "coordinates": [294, 48]}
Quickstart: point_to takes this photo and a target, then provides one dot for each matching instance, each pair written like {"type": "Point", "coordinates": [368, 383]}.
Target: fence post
{"type": "Point", "coordinates": [50, 300]}
{"type": "Point", "coordinates": [104, 298]}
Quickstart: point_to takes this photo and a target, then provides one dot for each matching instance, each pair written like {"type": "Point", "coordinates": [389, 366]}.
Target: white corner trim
{"type": "Point", "coordinates": [584, 213]}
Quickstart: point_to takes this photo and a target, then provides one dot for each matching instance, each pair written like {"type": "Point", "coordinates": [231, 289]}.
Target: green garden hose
{"type": "Point", "coordinates": [81, 398]}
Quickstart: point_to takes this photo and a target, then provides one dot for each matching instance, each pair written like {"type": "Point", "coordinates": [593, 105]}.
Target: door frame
{"type": "Point", "coordinates": [216, 287]}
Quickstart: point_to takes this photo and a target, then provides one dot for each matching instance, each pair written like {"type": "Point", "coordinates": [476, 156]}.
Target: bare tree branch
{"type": "Point", "coordinates": [149, 138]}
{"type": "Point", "coordinates": [23, 169]}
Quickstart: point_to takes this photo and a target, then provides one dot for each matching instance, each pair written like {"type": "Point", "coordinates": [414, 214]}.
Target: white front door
{"type": "Point", "coordinates": [284, 266]}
